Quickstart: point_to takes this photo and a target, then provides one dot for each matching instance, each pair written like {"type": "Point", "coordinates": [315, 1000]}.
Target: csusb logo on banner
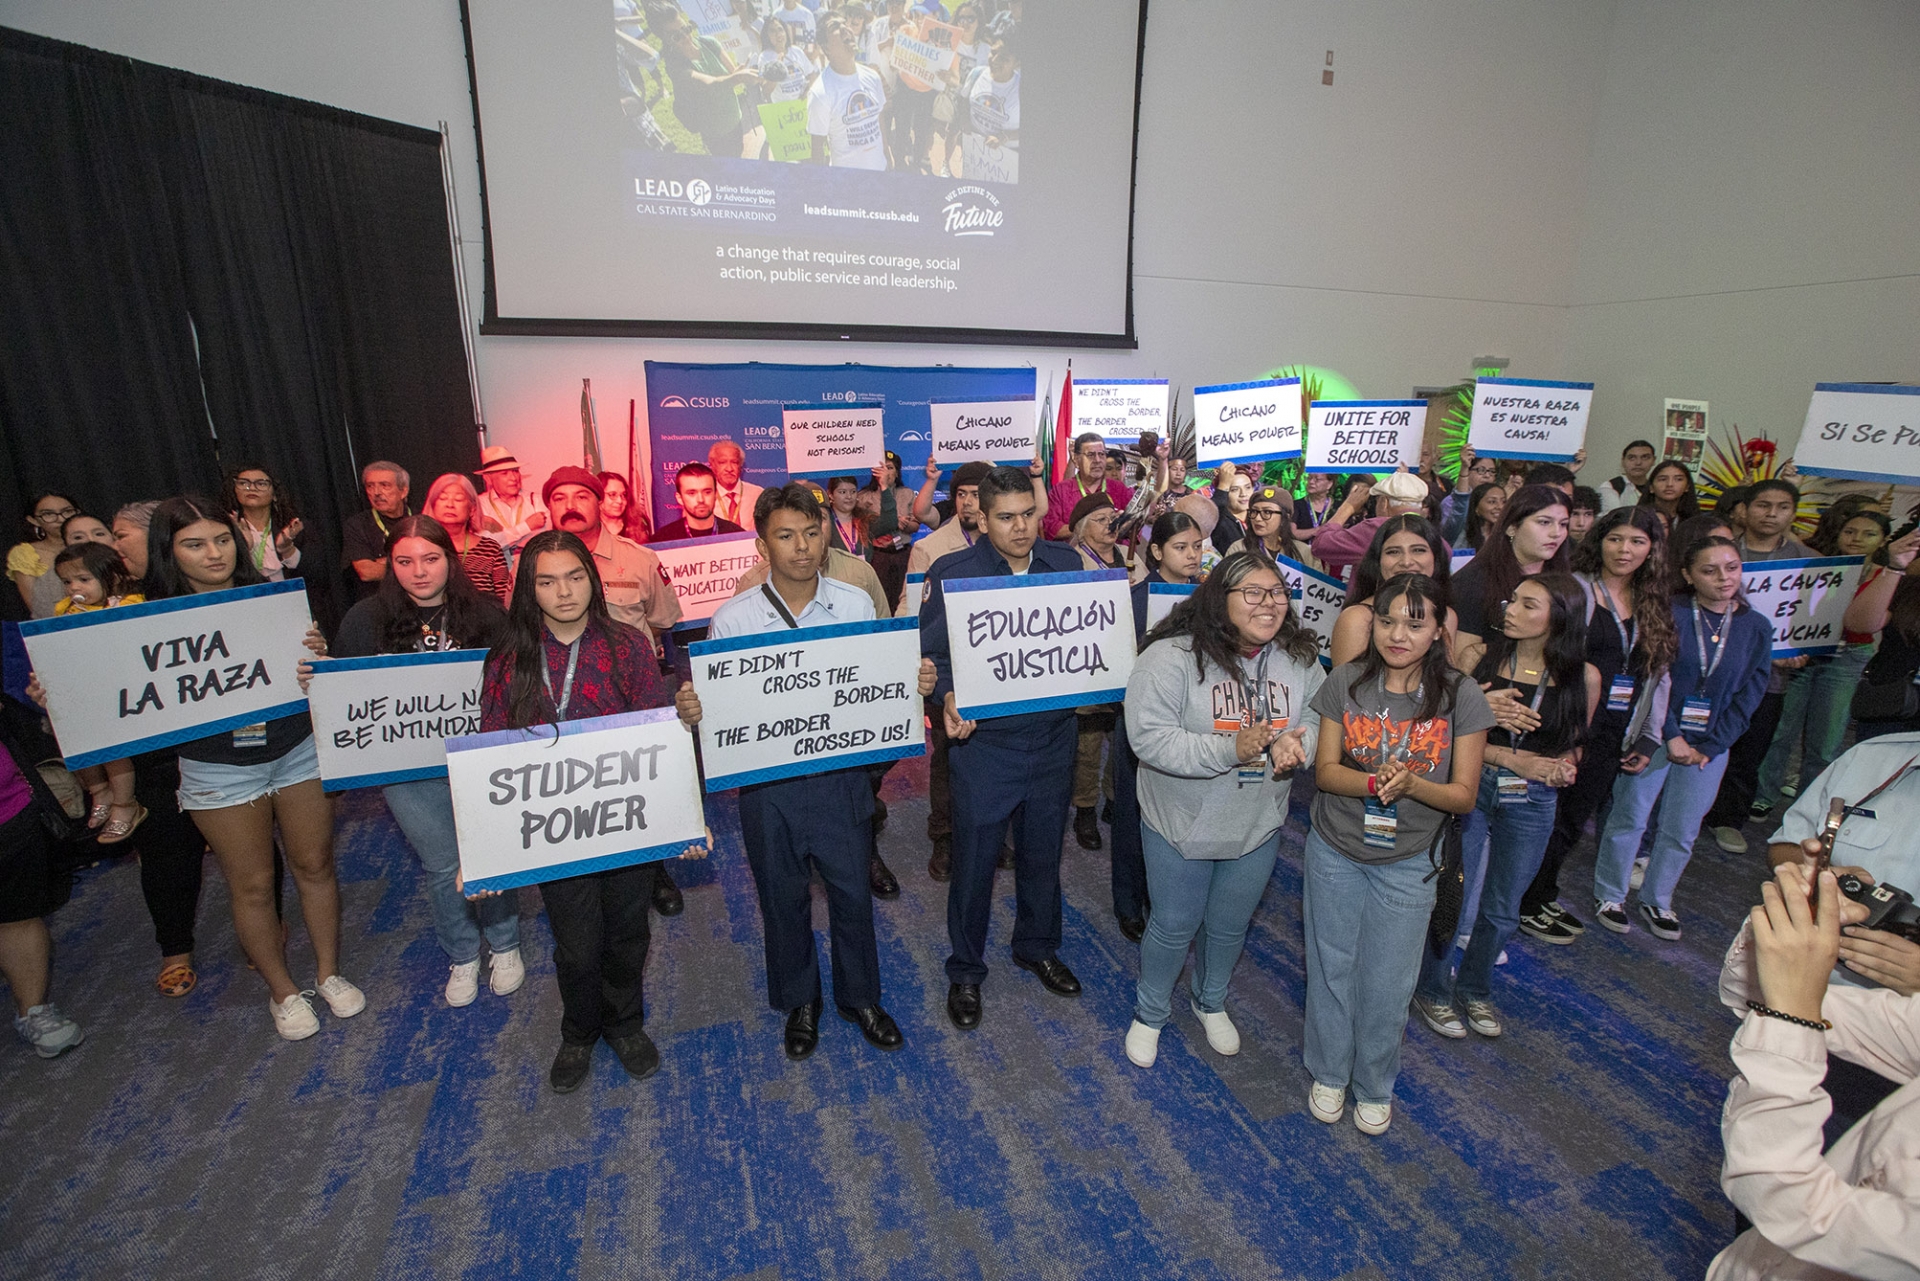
{"type": "Point", "coordinates": [697, 192]}
{"type": "Point", "coordinates": [693, 402]}
{"type": "Point", "coordinates": [972, 211]}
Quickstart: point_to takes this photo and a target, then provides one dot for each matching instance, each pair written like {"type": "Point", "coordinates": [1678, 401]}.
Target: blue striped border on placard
{"type": "Point", "coordinates": [1172, 589]}
{"type": "Point", "coordinates": [744, 536]}
{"type": "Point", "coordinates": [172, 737]}
{"type": "Point", "coordinates": [1530, 382]}
{"type": "Point", "coordinates": [1258, 382]}
{"type": "Point", "coordinates": [432, 658]}
{"type": "Point", "coordinates": [580, 867]}
{"type": "Point", "coordinates": [1869, 389]}
{"type": "Point", "coordinates": [774, 773]}
{"type": "Point", "coordinates": [781, 639]}
{"type": "Point", "coordinates": [148, 609]}
{"type": "Point", "coordinates": [953, 585]}
{"type": "Point", "coordinates": [381, 780]}
{"type": "Point", "coordinates": [1121, 382]}
{"type": "Point", "coordinates": [1088, 698]}
{"type": "Point", "coordinates": [566, 729]}
{"type": "Point", "coordinates": [1839, 474]}
{"type": "Point", "coordinates": [1310, 572]}
{"type": "Point", "coordinates": [1530, 455]}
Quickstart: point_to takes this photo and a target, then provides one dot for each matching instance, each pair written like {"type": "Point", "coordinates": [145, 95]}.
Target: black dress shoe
{"type": "Point", "coordinates": [1133, 927]}
{"type": "Point", "coordinates": [803, 1029]}
{"type": "Point", "coordinates": [638, 1054]}
{"type": "Point", "coordinates": [880, 879]}
{"type": "Point", "coordinates": [963, 1005]}
{"type": "Point", "coordinates": [879, 816]}
{"type": "Point", "coordinates": [876, 1025]}
{"type": "Point", "coordinates": [940, 866]}
{"type": "Point", "coordinates": [1086, 827]}
{"type": "Point", "coordinates": [666, 895]}
{"type": "Point", "coordinates": [570, 1067]}
{"type": "Point", "coordinates": [1054, 975]}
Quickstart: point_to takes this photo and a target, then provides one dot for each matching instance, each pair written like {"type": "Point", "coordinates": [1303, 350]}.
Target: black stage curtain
{"type": "Point", "coordinates": [218, 276]}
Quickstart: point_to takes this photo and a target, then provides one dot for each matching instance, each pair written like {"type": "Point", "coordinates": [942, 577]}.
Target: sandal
{"type": "Point", "coordinates": [120, 829]}
{"type": "Point", "coordinates": [177, 979]}
{"type": "Point", "coordinates": [101, 811]}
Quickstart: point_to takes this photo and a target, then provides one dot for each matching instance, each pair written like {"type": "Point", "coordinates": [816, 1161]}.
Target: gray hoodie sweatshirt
{"type": "Point", "coordinates": [1181, 725]}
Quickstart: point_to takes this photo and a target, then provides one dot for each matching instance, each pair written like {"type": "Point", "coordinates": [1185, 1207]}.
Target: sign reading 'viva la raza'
{"type": "Point", "coordinates": [995, 432]}
{"type": "Point", "coordinates": [1861, 431]}
{"type": "Point", "coordinates": [1039, 642]}
{"type": "Point", "coordinates": [1364, 435]}
{"type": "Point", "coordinates": [386, 719]}
{"type": "Point", "coordinates": [704, 571]}
{"type": "Point", "coordinates": [1805, 600]}
{"type": "Point", "coordinates": [553, 801]}
{"type": "Point", "coordinates": [806, 700]}
{"type": "Point", "coordinates": [1529, 418]}
{"type": "Point", "coordinates": [1239, 422]}
{"type": "Point", "coordinates": [124, 681]}
{"type": "Point", "coordinates": [834, 440]}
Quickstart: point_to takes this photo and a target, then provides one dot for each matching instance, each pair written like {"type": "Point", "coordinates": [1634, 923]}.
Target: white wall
{"type": "Point", "coordinates": [1484, 177]}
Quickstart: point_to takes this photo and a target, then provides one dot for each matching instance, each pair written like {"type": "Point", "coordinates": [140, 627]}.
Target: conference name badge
{"type": "Point", "coordinates": [1380, 828]}
{"type": "Point", "coordinates": [1695, 713]}
{"type": "Point", "coordinates": [1620, 694]}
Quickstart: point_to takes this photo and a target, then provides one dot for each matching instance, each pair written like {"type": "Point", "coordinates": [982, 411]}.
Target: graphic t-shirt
{"type": "Point", "coordinates": [800, 19]}
{"type": "Point", "coordinates": [793, 67]}
{"type": "Point", "coordinates": [845, 110]}
{"type": "Point", "coordinates": [994, 104]}
{"type": "Point", "coordinates": [1374, 726]}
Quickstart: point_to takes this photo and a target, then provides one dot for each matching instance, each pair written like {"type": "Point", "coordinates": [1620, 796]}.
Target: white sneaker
{"type": "Point", "coordinates": [463, 983]}
{"type": "Point", "coordinates": [1327, 1103]}
{"type": "Point", "coordinates": [343, 998]}
{"type": "Point", "coordinates": [1639, 876]}
{"type": "Point", "coordinates": [1222, 1035]}
{"type": "Point", "coordinates": [1143, 1044]}
{"type": "Point", "coordinates": [293, 1018]}
{"type": "Point", "coordinates": [48, 1031]}
{"type": "Point", "coordinates": [506, 972]}
{"type": "Point", "coordinates": [1372, 1118]}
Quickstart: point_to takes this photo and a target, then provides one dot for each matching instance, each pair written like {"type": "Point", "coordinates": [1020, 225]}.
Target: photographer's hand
{"type": "Point", "coordinates": [1793, 950]}
{"type": "Point", "coordinates": [1888, 959]}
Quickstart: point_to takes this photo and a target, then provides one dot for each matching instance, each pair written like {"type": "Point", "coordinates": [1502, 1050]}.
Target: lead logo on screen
{"type": "Point", "coordinates": [972, 211]}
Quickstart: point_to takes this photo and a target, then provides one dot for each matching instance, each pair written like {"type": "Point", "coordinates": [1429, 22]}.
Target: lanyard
{"type": "Point", "coordinates": [1700, 642]}
{"type": "Point", "coordinates": [566, 688]}
{"type": "Point", "coordinates": [1539, 694]}
{"type": "Point", "coordinates": [968, 534]}
{"type": "Point", "coordinates": [847, 540]}
{"type": "Point", "coordinates": [779, 606]}
{"type": "Point", "coordinates": [1629, 630]}
{"type": "Point", "coordinates": [1256, 695]}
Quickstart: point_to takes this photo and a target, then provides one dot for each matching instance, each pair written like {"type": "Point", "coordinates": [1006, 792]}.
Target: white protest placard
{"type": "Point", "coordinates": [806, 700]}
{"type": "Point", "coordinates": [998, 431]}
{"type": "Point", "coordinates": [1459, 559]}
{"type": "Point", "coordinates": [128, 680]}
{"type": "Point", "coordinates": [912, 596]}
{"type": "Point", "coordinates": [1040, 642]}
{"type": "Point", "coordinates": [735, 41]}
{"type": "Point", "coordinates": [1529, 418]}
{"type": "Point", "coordinates": [918, 58]}
{"type": "Point", "coordinates": [1364, 435]}
{"type": "Point", "coordinates": [607, 792]}
{"type": "Point", "coordinates": [834, 440]}
{"type": "Point", "coordinates": [1119, 409]}
{"type": "Point", "coordinates": [1861, 431]}
{"type": "Point", "coordinates": [709, 17]}
{"type": "Point", "coordinates": [1803, 599]}
{"type": "Point", "coordinates": [386, 719]}
{"type": "Point", "coordinates": [980, 161]}
{"type": "Point", "coordinates": [1319, 598]}
{"type": "Point", "coordinates": [1162, 597]}
{"type": "Point", "coordinates": [1239, 422]}
{"type": "Point", "coordinates": [704, 572]}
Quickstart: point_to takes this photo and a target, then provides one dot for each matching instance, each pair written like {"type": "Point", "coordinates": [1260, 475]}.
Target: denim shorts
{"type": "Point", "coordinates": [205, 785]}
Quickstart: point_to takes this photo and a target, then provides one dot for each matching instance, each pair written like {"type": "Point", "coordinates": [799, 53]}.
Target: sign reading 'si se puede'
{"type": "Point", "coordinates": [1861, 431]}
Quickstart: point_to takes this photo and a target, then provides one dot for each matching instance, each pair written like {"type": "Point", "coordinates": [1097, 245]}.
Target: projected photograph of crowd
{"type": "Point", "coordinates": [928, 87]}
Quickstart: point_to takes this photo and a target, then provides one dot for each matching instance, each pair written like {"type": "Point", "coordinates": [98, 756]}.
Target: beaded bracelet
{"type": "Point", "coordinates": [1821, 1025]}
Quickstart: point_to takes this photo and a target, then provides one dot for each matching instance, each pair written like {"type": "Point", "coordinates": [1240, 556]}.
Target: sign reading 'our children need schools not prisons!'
{"type": "Point", "coordinates": [1039, 642]}
{"type": "Point", "coordinates": [386, 719]}
{"type": "Point", "coordinates": [834, 440]}
{"type": "Point", "coordinates": [128, 680]}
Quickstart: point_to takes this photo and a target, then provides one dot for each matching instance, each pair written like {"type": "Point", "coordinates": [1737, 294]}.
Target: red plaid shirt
{"type": "Point", "coordinates": [618, 671]}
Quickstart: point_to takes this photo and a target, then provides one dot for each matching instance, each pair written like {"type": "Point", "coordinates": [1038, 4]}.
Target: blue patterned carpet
{"type": "Point", "coordinates": [185, 1140]}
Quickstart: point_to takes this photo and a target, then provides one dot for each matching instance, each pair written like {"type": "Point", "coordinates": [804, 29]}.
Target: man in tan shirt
{"type": "Point", "coordinates": [638, 593]}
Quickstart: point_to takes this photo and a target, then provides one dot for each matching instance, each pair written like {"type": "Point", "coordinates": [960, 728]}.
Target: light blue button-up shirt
{"type": "Point", "coordinates": [751, 613]}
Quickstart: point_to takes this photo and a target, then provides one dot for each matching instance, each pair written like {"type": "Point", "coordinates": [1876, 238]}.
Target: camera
{"type": "Point", "coordinates": [1888, 907]}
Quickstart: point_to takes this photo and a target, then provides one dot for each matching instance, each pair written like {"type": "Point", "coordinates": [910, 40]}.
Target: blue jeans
{"type": "Point", "coordinates": [1366, 924]}
{"type": "Point", "coordinates": [424, 810]}
{"type": "Point", "coordinates": [1211, 898]}
{"type": "Point", "coordinates": [1515, 837]}
{"type": "Point", "coordinates": [1815, 713]}
{"type": "Point", "coordinates": [1685, 794]}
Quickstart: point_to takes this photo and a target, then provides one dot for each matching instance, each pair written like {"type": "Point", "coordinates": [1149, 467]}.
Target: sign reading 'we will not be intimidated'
{"type": "Point", "coordinates": [386, 719]}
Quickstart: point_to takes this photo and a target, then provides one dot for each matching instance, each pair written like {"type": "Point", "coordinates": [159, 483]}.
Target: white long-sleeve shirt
{"type": "Point", "coordinates": [1854, 1212]}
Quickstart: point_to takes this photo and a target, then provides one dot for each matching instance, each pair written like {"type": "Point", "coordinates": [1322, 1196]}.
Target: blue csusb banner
{"type": "Point", "coordinates": [689, 407]}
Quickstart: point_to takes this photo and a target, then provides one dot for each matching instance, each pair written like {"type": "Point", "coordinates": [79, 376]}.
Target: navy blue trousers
{"type": "Point", "coordinates": [824, 821]}
{"type": "Point", "coordinates": [994, 773]}
{"type": "Point", "coordinates": [1129, 859]}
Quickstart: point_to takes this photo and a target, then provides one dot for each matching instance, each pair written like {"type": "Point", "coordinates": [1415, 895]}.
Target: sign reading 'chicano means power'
{"type": "Point", "coordinates": [124, 681]}
{"type": "Point", "coordinates": [999, 431]}
{"type": "Point", "coordinates": [806, 700]}
{"type": "Point", "coordinates": [1039, 642]}
{"type": "Point", "coordinates": [1364, 435]}
{"type": "Point", "coordinates": [834, 440]}
{"type": "Point", "coordinates": [554, 801]}
{"type": "Point", "coordinates": [386, 719]}
{"type": "Point", "coordinates": [1239, 422]}
{"type": "Point", "coordinates": [704, 572]}
{"type": "Point", "coordinates": [1805, 600]}
{"type": "Point", "coordinates": [1529, 418]}
{"type": "Point", "coordinates": [1861, 431]}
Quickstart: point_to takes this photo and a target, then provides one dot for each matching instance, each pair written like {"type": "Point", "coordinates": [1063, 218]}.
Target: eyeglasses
{"type": "Point", "coordinates": [1265, 513]}
{"type": "Point", "coordinates": [65, 513]}
{"type": "Point", "coordinates": [1264, 595]}
{"type": "Point", "coordinates": [244, 483]}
